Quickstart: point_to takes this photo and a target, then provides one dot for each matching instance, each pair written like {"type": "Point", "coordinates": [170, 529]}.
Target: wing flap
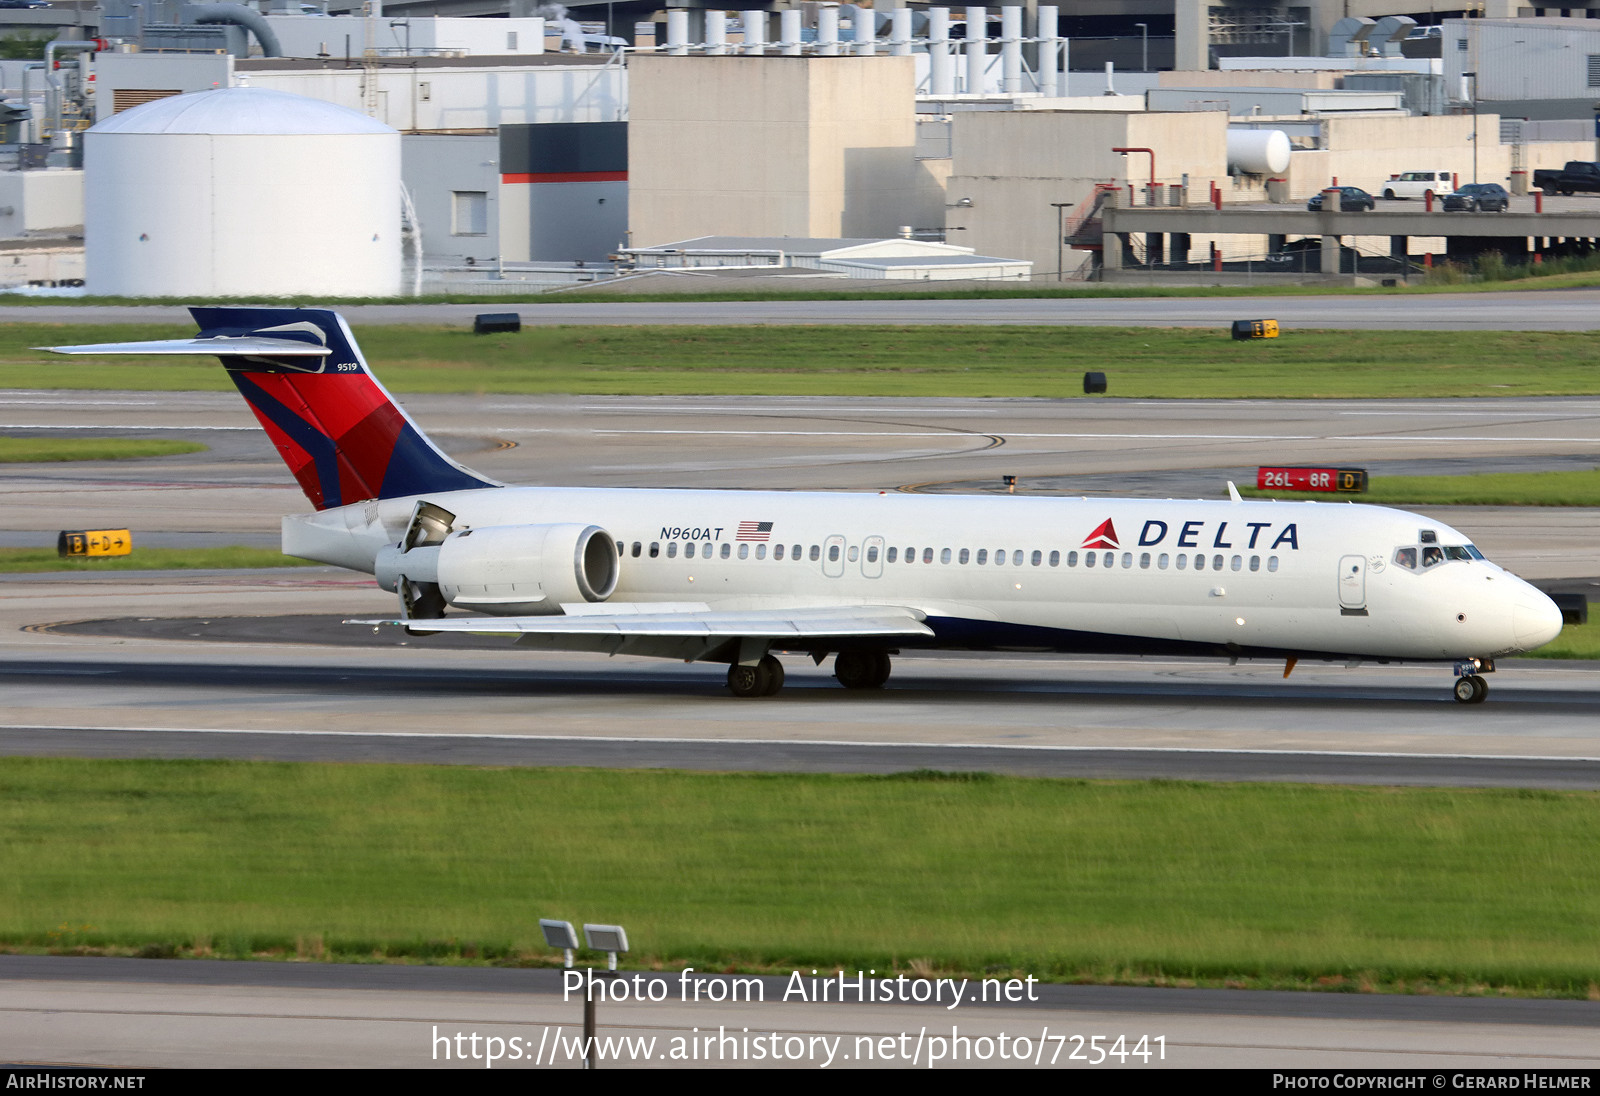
{"type": "Point", "coordinates": [886, 621]}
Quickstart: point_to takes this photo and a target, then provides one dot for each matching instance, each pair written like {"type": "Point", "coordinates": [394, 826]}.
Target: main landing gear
{"type": "Point", "coordinates": [763, 679]}
{"type": "Point", "coordinates": [861, 669]}
{"type": "Point", "coordinates": [1470, 686]}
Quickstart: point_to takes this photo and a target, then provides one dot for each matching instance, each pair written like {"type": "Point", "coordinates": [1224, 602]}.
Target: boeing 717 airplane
{"type": "Point", "coordinates": [730, 576]}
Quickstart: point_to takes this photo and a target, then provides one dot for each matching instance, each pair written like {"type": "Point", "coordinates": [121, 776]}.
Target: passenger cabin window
{"type": "Point", "coordinates": [983, 556]}
{"type": "Point", "coordinates": [761, 551]}
{"type": "Point", "coordinates": [892, 555]}
{"type": "Point", "coordinates": [688, 550]}
{"type": "Point", "coordinates": [727, 550]}
{"type": "Point", "coordinates": [872, 554]}
{"type": "Point", "coordinates": [777, 551]}
{"type": "Point", "coordinates": [796, 552]}
{"type": "Point", "coordinates": [966, 554]}
{"type": "Point", "coordinates": [1055, 559]}
{"type": "Point", "coordinates": [1038, 557]}
{"type": "Point", "coordinates": [854, 552]}
{"type": "Point", "coordinates": [655, 549]}
{"type": "Point", "coordinates": [672, 549]}
{"type": "Point", "coordinates": [1272, 563]}
{"type": "Point", "coordinates": [944, 555]}
{"type": "Point", "coordinates": [637, 548]}
{"type": "Point", "coordinates": [1072, 559]}
{"type": "Point", "coordinates": [816, 553]}
{"type": "Point", "coordinates": [927, 555]}
{"type": "Point", "coordinates": [833, 553]}
{"type": "Point", "coordinates": [744, 551]}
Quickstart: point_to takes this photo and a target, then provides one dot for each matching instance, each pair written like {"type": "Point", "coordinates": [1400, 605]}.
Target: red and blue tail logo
{"type": "Point", "coordinates": [336, 427]}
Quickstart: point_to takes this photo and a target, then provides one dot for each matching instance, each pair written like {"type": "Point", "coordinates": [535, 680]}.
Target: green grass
{"type": "Point", "coordinates": [37, 450]}
{"type": "Point", "coordinates": [19, 560]}
{"type": "Point", "coordinates": [1575, 641]}
{"type": "Point", "coordinates": [1574, 488]}
{"type": "Point", "coordinates": [1469, 890]}
{"type": "Point", "coordinates": [885, 361]}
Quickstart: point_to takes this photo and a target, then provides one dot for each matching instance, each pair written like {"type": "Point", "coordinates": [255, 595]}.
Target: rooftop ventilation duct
{"type": "Point", "coordinates": [1390, 32]}
{"type": "Point", "coordinates": [1348, 38]}
{"type": "Point", "coordinates": [239, 16]}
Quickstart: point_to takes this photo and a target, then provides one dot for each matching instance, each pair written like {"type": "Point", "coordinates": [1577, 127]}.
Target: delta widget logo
{"type": "Point", "coordinates": [1104, 536]}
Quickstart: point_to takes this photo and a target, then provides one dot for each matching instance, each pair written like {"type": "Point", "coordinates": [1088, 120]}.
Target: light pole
{"type": "Point", "coordinates": [1061, 236]}
{"type": "Point", "coordinates": [1474, 93]}
{"type": "Point", "coordinates": [1144, 35]}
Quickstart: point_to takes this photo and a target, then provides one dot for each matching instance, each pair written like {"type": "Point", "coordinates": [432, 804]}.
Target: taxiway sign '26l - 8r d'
{"type": "Point", "coordinates": [729, 576]}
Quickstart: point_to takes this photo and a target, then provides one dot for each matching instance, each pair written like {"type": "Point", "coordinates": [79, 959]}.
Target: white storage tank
{"type": "Point", "coordinates": [1258, 151]}
{"type": "Point", "coordinates": [242, 192]}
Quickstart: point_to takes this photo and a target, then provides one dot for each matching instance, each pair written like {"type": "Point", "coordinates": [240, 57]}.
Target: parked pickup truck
{"type": "Point", "coordinates": [1416, 184]}
{"type": "Point", "coordinates": [1578, 175]}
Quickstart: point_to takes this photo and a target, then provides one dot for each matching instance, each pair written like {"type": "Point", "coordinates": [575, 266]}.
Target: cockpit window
{"type": "Point", "coordinates": [1428, 536]}
{"type": "Point", "coordinates": [1411, 556]}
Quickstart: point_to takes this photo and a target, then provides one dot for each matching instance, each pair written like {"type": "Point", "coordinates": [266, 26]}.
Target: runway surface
{"type": "Point", "coordinates": [1162, 449]}
{"type": "Point", "coordinates": [1537, 310]}
{"type": "Point", "coordinates": [154, 1014]}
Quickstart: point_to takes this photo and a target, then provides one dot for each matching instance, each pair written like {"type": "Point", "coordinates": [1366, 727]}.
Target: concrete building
{"type": "Point", "coordinates": [776, 146]}
{"type": "Point", "coordinates": [1010, 171]}
{"type": "Point", "coordinates": [1524, 68]}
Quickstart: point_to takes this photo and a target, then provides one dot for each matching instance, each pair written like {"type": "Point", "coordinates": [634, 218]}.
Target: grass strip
{"type": "Point", "coordinates": [1569, 488]}
{"type": "Point", "coordinates": [41, 450]}
{"type": "Point", "coordinates": [1575, 641]}
{"type": "Point", "coordinates": [23, 560]}
{"type": "Point", "coordinates": [1441, 890]}
{"type": "Point", "coordinates": [966, 361]}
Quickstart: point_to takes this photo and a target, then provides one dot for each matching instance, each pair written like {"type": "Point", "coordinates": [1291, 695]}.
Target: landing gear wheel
{"type": "Point", "coordinates": [763, 679]}
{"type": "Point", "coordinates": [861, 669]}
{"type": "Point", "coordinates": [774, 670]}
{"type": "Point", "coordinates": [1471, 689]}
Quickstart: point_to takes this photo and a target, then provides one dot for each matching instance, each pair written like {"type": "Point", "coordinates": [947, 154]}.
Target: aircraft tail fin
{"type": "Point", "coordinates": [337, 428]}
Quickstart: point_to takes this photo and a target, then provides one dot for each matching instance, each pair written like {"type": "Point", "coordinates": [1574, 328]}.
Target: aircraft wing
{"type": "Point", "coordinates": [886, 621]}
{"type": "Point", "coordinates": [221, 345]}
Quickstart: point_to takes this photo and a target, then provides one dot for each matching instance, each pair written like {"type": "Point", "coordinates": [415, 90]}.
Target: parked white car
{"type": "Point", "coordinates": [1416, 184]}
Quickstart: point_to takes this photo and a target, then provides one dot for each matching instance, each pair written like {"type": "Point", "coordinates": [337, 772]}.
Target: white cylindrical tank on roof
{"type": "Point", "coordinates": [1258, 151]}
{"type": "Point", "coordinates": [242, 192]}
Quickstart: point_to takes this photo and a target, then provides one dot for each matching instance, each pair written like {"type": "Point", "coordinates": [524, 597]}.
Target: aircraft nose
{"type": "Point", "coordinates": [1535, 620]}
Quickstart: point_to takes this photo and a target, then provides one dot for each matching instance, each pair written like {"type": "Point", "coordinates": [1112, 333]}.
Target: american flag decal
{"type": "Point", "coordinates": [754, 530]}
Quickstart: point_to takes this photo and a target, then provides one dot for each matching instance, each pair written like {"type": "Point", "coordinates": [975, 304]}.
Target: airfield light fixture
{"type": "Point", "coordinates": [560, 934]}
{"type": "Point", "coordinates": [610, 939]}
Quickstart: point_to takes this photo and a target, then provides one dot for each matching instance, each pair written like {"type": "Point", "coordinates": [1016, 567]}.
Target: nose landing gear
{"type": "Point", "coordinates": [1471, 689]}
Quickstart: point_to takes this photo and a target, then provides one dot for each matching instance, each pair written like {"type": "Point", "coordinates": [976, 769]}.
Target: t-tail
{"type": "Point", "coordinates": [336, 427]}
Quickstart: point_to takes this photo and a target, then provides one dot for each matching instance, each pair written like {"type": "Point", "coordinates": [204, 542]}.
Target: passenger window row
{"type": "Point", "coordinates": [1001, 557]}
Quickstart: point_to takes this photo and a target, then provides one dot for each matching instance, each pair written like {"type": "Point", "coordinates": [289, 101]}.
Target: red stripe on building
{"type": "Point", "coordinates": [566, 177]}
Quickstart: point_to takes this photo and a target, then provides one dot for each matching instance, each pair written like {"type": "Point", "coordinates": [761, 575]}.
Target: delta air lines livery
{"type": "Point", "coordinates": [730, 576]}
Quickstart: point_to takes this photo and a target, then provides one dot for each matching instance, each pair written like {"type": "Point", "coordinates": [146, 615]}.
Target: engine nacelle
{"type": "Point", "coordinates": [512, 570]}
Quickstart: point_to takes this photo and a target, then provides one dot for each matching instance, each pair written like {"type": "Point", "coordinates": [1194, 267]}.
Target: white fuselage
{"type": "Point", "coordinates": [1252, 577]}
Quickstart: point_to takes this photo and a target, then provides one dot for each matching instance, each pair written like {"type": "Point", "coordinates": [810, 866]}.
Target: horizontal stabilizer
{"type": "Point", "coordinates": [246, 345]}
{"type": "Point", "coordinates": [845, 620]}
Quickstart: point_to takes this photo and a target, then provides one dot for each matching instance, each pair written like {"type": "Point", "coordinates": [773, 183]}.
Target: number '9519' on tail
{"type": "Point", "coordinates": [336, 427]}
